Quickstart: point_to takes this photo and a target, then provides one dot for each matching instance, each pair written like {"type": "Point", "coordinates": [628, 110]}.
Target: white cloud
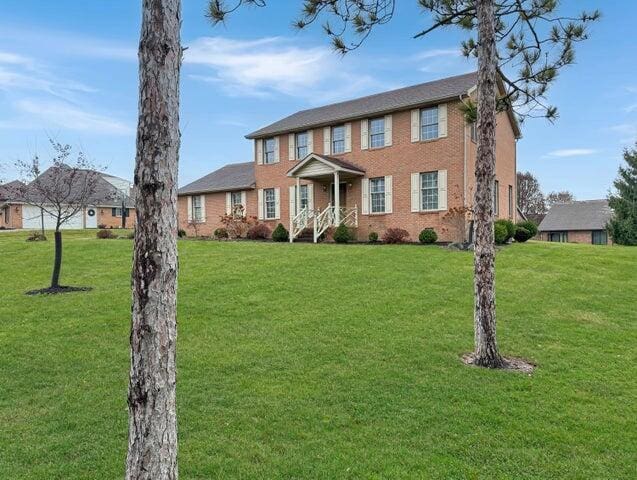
{"type": "Point", "coordinates": [631, 108]}
{"type": "Point", "coordinates": [627, 131]}
{"type": "Point", "coordinates": [438, 52]}
{"type": "Point", "coordinates": [52, 113]}
{"type": "Point", "coordinates": [571, 152]}
{"type": "Point", "coordinates": [274, 65]}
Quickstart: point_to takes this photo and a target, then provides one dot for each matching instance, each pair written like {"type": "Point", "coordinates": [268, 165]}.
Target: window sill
{"type": "Point", "coordinates": [430, 140]}
{"type": "Point", "coordinates": [426, 212]}
{"type": "Point", "coordinates": [376, 214]}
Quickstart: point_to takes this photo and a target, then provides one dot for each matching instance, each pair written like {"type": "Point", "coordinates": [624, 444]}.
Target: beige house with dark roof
{"type": "Point", "coordinates": [403, 158]}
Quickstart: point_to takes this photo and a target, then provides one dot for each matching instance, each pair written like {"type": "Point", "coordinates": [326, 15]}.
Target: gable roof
{"type": "Point", "coordinates": [584, 215]}
{"type": "Point", "coordinates": [11, 190]}
{"type": "Point", "coordinates": [385, 102]}
{"type": "Point", "coordinates": [235, 176]}
{"type": "Point", "coordinates": [336, 163]}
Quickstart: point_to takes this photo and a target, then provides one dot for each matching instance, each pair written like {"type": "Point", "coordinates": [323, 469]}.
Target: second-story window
{"type": "Point", "coordinates": [377, 194]}
{"type": "Point", "coordinates": [429, 123]}
{"type": "Point", "coordinates": [338, 139]}
{"type": "Point", "coordinates": [377, 132]}
{"type": "Point", "coordinates": [301, 145]}
{"type": "Point", "coordinates": [269, 145]}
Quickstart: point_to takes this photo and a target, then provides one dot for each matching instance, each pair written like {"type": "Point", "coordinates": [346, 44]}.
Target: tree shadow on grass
{"type": "Point", "coordinates": [57, 290]}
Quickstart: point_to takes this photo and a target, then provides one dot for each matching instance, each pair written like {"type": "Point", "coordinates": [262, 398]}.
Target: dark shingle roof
{"type": "Point", "coordinates": [236, 176]}
{"type": "Point", "coordinates": [585, 215]}
{"type": "Point", "coordinates": [374, 104]}
{"type": "Point", "coordinates": [11, 190]}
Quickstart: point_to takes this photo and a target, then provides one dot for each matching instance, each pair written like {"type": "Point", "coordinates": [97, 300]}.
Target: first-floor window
{"type": "Point", "coordinates": [474, 131]}
{"type": "Point", "coordinates": [301, 145]}
{"type": "Point", "coordinates": [558, 236]}
{"type": "Point", "coordinates": [269, 203]}
{"type": "Point", "coordinates": [510, 201]}
{"type": "Point", "coordinates": [496, 198]}
{"type": "Point", "coordinates": [304, 197]}
{"type": "Point", "coordinates": [236, 202]}
{"type": "Point", "coordinates": [429, 191]}
{"type": "Point", "coordinates": [377, 194]}
{"type": "Point", "coordinates": [117, 212]}
{"type": "Point", "coordinates": [196, 208]}
{"type": "Point", "coordinates": [600, 237]}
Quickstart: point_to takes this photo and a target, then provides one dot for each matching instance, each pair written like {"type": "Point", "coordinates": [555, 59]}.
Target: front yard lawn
{"type": "Point", "coordinates": [327, 361]}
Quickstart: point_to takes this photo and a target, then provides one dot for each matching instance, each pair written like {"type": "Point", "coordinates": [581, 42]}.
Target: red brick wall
{"type": "Point", "coordinates": [575, 236]}
{"type": "Point", "coordinates": [15, 216]}
{"type": "Point", "coordinates": [215, 209]}
{"type": "Point", "coordinates": [105, 217]}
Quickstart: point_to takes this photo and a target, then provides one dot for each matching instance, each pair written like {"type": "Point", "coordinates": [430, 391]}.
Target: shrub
{"type": "Point", "coordinates": [105, 234]}
{"type": "Point", "coordinates": [221, 234]}
{"type": "Point", "coordinates": [530, 226]}
{"type": "Point", "coordinates": [238, 226]}
{"type": "Point", "coordinates": [395, 235]}
{"type": "Point", "coordinates": [509, 226]}
{"type": "Point", "coordinates": [428, 235]}
{"type": "Point", "coordinates": [342, 234]}
{"type": "Point", "coordinates": [101, 226]}
{"type": "Point", "coordinates": [373, 237]}
{"type": "Point", "coordinates": [280, 234]}
{"type": "Point", "coordinates": [259, 231]}
{"type": "Point", "coordinates": [500, 233]}
{"type": "Point", "coordinates": [522, 234]}
{"type": "Point", "coordinates": [36, 237]}
{"type": "Point", "coordinates": [181, 233]}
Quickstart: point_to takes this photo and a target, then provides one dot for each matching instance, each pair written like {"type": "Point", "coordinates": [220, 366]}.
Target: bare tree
{"type": "Point", "coordinates": [61, 191]}
{"type": "Point", "coordinates": [563, 196]}
{"type": "Point", "coordinates": [521, 43]}
{"type": "Point", "coordinates": [152, 424]}
{"type": "Point", "coordinates": [530, 198]}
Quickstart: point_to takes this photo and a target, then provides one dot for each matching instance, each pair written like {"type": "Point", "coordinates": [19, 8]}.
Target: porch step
{"type": "Point", "coordinates": [307, 235]}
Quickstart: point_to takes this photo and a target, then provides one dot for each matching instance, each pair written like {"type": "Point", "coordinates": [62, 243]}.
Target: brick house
{"type": "Point", "coordinates": [403, 158]}
{"type": "Point", "coordinates": [577, 222]}
{"type": "Point", "coordinates": [112, 198]}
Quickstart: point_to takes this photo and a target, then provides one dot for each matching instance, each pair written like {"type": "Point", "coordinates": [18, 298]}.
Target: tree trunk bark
{"type": "Point", "coordinates": [57, 262]}
{"type": "Point", "coordinates": [486, 348]}
{"type": "Point", "coordinates": [152, 438]}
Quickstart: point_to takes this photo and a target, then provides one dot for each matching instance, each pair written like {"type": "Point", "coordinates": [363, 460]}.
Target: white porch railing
{"type": "Point", "coordinates": [300, 222]}
{"type": "Point", "coordinates": [327, 218]}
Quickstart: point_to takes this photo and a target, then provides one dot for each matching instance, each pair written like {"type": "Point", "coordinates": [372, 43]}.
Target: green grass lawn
{"type": "Point", "coordinates": [325, 361]}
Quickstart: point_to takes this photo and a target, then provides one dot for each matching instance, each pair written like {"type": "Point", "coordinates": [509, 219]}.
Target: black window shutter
{"type": "Point", "coordinates": [114, 212]}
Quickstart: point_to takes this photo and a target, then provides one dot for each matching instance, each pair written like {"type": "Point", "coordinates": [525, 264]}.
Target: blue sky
{"type": "Point", "coordinates": [68, 69]}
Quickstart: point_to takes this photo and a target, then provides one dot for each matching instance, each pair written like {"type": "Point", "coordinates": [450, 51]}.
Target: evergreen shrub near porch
{"type": "Point", "coordinates": [343, 234]}
{"type": "Point", "coordinates": [280, 234]}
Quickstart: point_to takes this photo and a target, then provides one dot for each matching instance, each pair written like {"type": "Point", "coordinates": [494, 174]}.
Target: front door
{"type": "Point", "coordinates": [342, 194]}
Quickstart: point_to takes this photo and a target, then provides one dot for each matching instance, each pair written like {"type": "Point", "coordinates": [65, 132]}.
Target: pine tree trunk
{"type": "Point", "coordinates": [486, 347]}
{"type": "Point", "coordinates": [57, 262]}
{"type": "Point", "coordinates": [152, 438]}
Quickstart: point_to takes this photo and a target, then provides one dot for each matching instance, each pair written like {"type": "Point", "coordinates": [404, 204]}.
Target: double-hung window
{"type": "Point", "coordinates": [236, 205]}
{"type": "Point", "coordinates": [377, 194]}
{"type": "Point", "coordinates": [510, 201]}
{"type": "Point", "coordinates": [269, 144]}
{"type": "Point", "coordinates": [429, 123]}
{"type": "Point", "coordinates": [429, 191]}
{"type": "Point", "coordinates": [496, 198]}
{"type": "Point", "coordinates": [301, 145]}
{"type": "Point", "coordinates": [269, 203]}
{"type": "Point", "coordinates": [303, 196]}
{"type": "Point", "coordinates": [338, 139]}
{"type": "Point", "coordinates": [377, 132]}
{"type": "Point", "coordinates": [599, 237]}
{"type": "Point", "coordinates": [197, 214]}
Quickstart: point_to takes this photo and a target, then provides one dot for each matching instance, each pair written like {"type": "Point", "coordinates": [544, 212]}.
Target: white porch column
{"type": "Point", "coordinates": [297, 203]}
{"type": "Point", "coordinates": [337, 199]}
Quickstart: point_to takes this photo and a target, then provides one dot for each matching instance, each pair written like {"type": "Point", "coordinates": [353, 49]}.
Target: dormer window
{"type": "Point", "coordinates": [338, 139]}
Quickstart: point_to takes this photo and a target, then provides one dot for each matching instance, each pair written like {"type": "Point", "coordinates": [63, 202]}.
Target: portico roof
{"type": "Point", "coordinates": [315, 165]}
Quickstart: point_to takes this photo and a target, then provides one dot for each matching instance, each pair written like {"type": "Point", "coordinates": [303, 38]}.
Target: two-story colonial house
{"type": "Point", "coordinates": [403, 158]}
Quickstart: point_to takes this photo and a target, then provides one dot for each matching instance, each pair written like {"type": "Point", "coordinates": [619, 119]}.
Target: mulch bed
{"type": "Point", "coordinates": [56, 290]}
{"type": "Point", "coordinates": [510, 363]}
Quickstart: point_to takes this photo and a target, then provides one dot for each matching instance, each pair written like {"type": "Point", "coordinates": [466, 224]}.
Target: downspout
{"type": "Point", "coordinates": [464, 172]}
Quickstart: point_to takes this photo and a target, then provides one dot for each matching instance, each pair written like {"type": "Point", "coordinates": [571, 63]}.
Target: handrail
{"type": "Point", "coordinates": [299, 222]}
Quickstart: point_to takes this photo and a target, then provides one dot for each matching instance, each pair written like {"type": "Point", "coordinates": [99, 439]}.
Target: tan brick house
{"type": "Point", "coordinates": [403, 158]}
{"type": "Point", "coordinates": [112, 198]}
{"type": "Point", "coordinates": [577, 222]}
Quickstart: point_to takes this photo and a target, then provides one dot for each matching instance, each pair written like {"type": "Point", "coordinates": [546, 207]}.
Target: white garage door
{"type": "Point", "coordinates": [32, 219]}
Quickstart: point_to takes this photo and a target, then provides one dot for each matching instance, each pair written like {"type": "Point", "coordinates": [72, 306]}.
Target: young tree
{"type": "Point", "coordinates": [61, 191]}
{"type": "Point", "coordinates": [563, 196]}
{"type": "Point", "coordinates": [152, 424]}
{"type": "Point", "coordinates": [522, 43]}
{"type": "Point", "coordinates": [623, 226]}
{"type": "Point", "coordinates": [530, 198]}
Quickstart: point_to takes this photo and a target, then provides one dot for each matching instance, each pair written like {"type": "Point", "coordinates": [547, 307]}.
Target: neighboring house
{"type": "Point", "coordinates": [113, 196]}
{"type": "Point", "coordinates": [402, 158]}
{"type": "Point", "coordinates": [577, 222]}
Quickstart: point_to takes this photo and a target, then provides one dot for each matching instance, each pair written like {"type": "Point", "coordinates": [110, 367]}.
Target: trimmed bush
{"type": "Point", "coordinates": [105, 234]}
{"type": "Point", "coordinates": [259, 232]}
{"type": "Point", "coordinates": [36, 237]}
{"type": "Point", "coordinates": [395, 235]}
{"type": "Point", "coordinates": [372, 237]}
{"type": "Point", "coordinates": [428, 235]}
{"type": "Point", "coordinates": [181, 233]}
{"type": "Point", "coordinates": [530, 226]}
{"type": "Point", "coordinates": [500, 233]}
{"type": "Point", "coordinates": [509, 226]}
{"type": "Point", "coordinates": [221, 234]}
{"type": "Point", "coordinates": [522, 234]}
{"type": "Point", "coordinates": [280, 234]}
{"type": "Point", "coordinates": [342, 234]}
